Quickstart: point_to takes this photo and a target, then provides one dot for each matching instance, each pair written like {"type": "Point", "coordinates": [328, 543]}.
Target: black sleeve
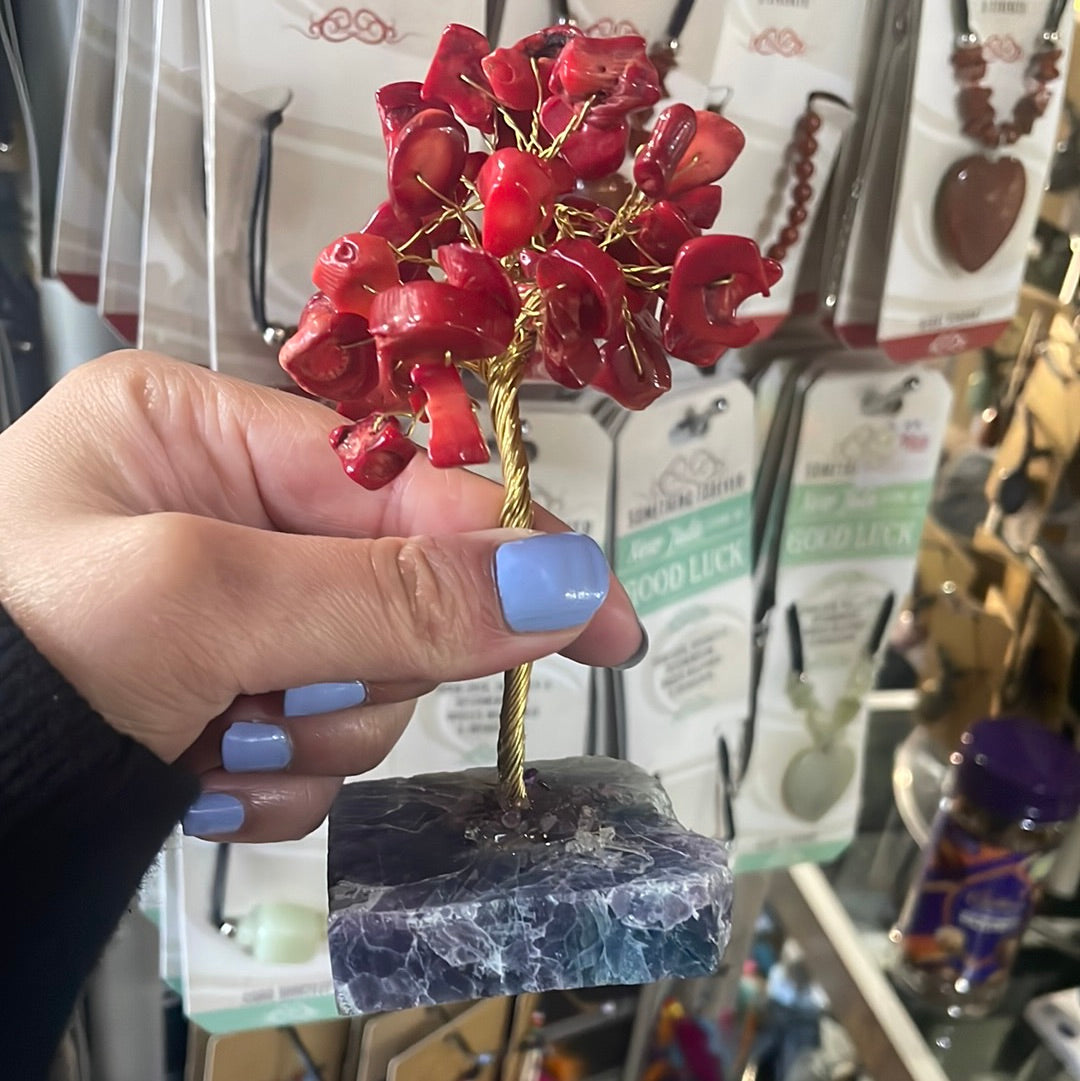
{"type": "Point", "coordinates": [83, 812]}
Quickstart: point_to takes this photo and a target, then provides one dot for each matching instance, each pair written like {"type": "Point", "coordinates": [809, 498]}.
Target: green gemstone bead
{"type": "Point", "coordinates": [281, 933]}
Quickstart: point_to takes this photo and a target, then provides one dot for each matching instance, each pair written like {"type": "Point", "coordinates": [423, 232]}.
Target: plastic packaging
{"type": "Point", "coordinates": [1012, 794]}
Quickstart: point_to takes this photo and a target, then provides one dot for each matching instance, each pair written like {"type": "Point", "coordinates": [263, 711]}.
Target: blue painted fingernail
{"type": "Point", "coordinates": [248, 747]}
{"type": "Point", "coordinates": [213, 813]}
{"type": "Point", "coordinates": [550, 581]}
{"type": "Point", "coordinates": [324, 698]}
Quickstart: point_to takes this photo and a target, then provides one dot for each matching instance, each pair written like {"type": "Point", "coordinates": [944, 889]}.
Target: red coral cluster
{"type": "Point", "coordinates": [477, 253]}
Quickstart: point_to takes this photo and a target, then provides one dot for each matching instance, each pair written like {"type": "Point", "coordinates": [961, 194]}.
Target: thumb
{"type": "Point", "coordinates": [303, 609]}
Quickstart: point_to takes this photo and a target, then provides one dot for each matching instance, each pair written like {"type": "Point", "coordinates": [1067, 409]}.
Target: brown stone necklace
{"type": "Point", "coordinates": [980, 197]}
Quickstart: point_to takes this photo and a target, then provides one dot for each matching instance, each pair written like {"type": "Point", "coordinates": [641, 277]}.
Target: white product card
{"type": "Point", "coordinates": [121, 247]}
{"type": "Point", "coordinates": [648, 19]}
{"type": "Point", "coordinates": [770, 403]}
{"type": "Point", "coordinates": [84, 150]}
{"type": "Point", "coordinates": [618, 18]}
{"type": "Point", "coordinates": [275, 897]}
{"type": "Point", "coordinates": [862, 475]}
{"type": "Point", "coordinates": [322, 64]}
{"type": "Point", "coordinates": [21, 154]}
{"type": "Point", "coordinates": [173, 289]}
{"type": "Point", "coordinates": [931, 305]}
{"type": "Point", "coordinates": [682, 523]}
{"type": "Point", "coordinates": [772, 64]}
{"type": "Point", "coordinates": [457, 725]}
{"type": "Point", "coordinates": [597, 18]}
{"type": "Point", "coordinates": [696, 794]}
{"type": "Point", "coordinates": [171, 915]}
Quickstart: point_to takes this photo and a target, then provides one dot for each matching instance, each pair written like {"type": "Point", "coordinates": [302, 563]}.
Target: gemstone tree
{"type": "Point", "coordinates": [532, 259]}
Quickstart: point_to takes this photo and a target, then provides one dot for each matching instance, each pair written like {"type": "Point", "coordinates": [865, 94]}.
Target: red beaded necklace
{"type": "Point", "coordinates": [803, 147]}
{"type": "Point", "coordinates": [979, 197]}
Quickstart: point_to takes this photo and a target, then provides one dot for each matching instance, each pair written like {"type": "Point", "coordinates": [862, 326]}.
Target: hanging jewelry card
{"type": "Point", "coordinates": [845, 545]}
{"type": "Point", "coordinates": [84, 150]}
{"type": "Point", "coordinates": [597, 18]}
{"type": "Point", "coordinates": [19, 156]}
{"type": "Point", "coordinates": [295, 82]}
{"type": "Point", "coordinates": [170, 915]}
{"type": "Point", "coordinates": [682, 522]}
{"type": "Point", "coordinates": [682, 34]}
{"type": "Point", "coordinates": [984, 106]}
{"type": "Point", "coordinates": [787, 76]}
{"type": "Point", "coordinates": [252, 933]}
{"type": "Point", "coordinates": [173, 288]}
{"type": "Point", "coordinates": [121, 246]}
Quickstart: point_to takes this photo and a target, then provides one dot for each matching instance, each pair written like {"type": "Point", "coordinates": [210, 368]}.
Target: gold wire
{"type": "Point", "coordinates": [503, 375]}
{"type": "Point", "coordinates": [628, 324]}
{"type": "Point", "coordinates": [572, 125]}
{"type": "Point", "coordinates": [452, 208]}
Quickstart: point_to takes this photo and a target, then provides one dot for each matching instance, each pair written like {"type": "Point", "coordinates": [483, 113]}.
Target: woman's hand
{"type": "Point", "coordinates": [185, 549]}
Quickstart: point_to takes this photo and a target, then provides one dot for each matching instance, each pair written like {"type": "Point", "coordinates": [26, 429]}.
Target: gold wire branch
{"type": "Point", "coordinates": [632, 205]}
{"type": "Point", "coordinates": [450, 210]}
{"type": "Point", "coordinates": [524, 142]}
{"type": "Point", "coordinates": [453, 210]}
{"type": "Point", "coordinates": [503, 375]}
{"type": "Point", "coordinates": [628, 326]}
{"type": "Point", "coordinates": [534, 133]}
{"type": "Point", "coordinates": [422, 259]}
{"type": "Point", "coordinates": [572, 125]}
{"type": "Point", "coordinates": [639, 277]}
{"type": "Point", "coordinates": [573, 221]}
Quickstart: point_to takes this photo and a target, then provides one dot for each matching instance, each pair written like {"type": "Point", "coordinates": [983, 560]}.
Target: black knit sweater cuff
{"type": "Point", "coordinates": [55, 748]}
{"type": "Point", "coordinates": [83, 810]}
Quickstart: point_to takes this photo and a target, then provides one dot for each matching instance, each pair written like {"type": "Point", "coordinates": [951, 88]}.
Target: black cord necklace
{"type": "Point", "coordinates": [258, 234]}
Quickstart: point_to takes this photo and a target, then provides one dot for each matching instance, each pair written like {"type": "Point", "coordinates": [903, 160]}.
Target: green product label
{"type": "Point", "coordinates": [844, 521]}
{"type": "Point", "coordinates": [786, 855]}
{"type": "Point", "coordinates": [680, 558]}
{"type": "Point", "coordinates": [295, 1011]}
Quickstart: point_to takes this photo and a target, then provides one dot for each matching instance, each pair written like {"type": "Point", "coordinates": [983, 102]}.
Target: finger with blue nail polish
{"type": "Point", "coordinates": [434, 608]}
{"type": "Point", "coordinates": [550, 581]}
{"type": "Point", "coordinates": [214, 814]}
{"type": "Point", "coordinates": [259, 807]}
{"type": "Point", "coordinates": [251, 747]}
{"type": "Point", "coordinates": [316, 698]}
{"type": "Point", "coordinates": [328, 745]}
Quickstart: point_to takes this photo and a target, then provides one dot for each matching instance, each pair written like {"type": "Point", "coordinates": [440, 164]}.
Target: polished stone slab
{"type": "Point", "coordinates": [436, 895]}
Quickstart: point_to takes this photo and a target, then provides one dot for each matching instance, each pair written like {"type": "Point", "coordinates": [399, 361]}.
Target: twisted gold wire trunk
{"type": "Point", "coordinates": [503, 375]}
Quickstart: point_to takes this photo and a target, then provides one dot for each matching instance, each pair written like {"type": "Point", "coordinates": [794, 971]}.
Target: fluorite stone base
{"type": "Point", "coordinates": [437, 895]}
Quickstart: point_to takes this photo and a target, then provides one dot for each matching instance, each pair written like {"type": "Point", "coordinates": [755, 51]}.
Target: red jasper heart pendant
{"type": "Point", "coordinates": [978, 202]}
